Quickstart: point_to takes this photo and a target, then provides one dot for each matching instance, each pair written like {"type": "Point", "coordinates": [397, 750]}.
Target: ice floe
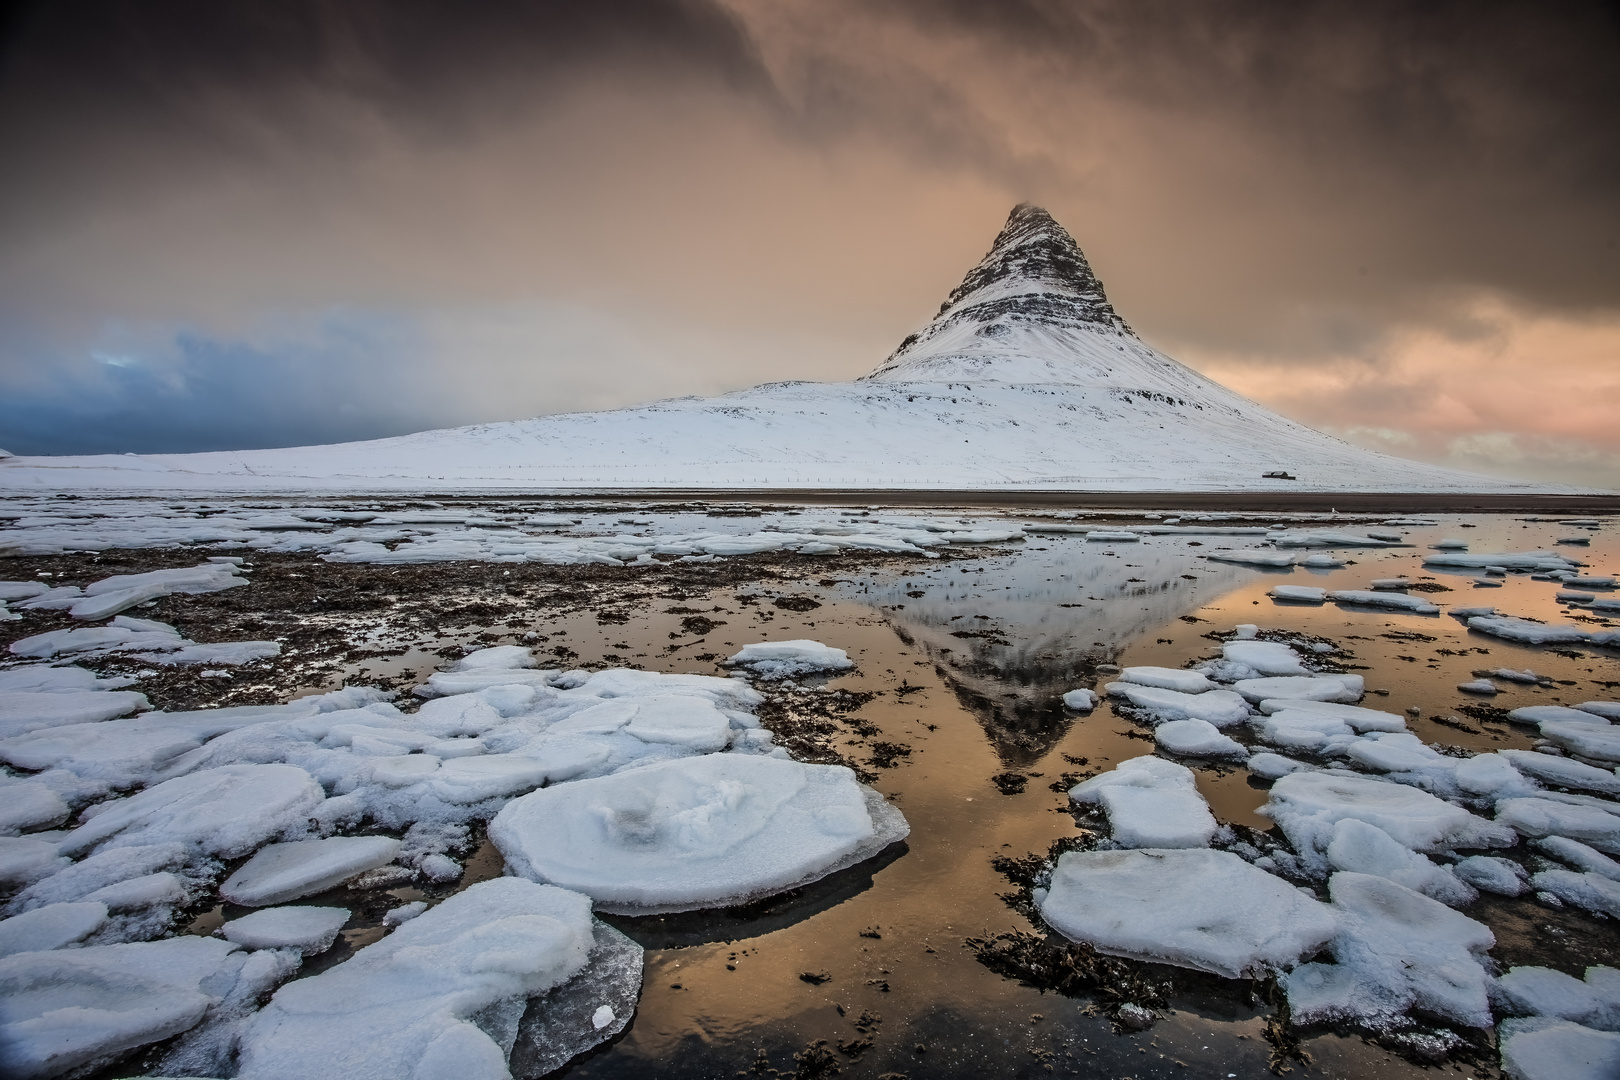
{"type": "Point", "coordinates": [1308, 805]}
{"type": "Point", "coordinates": [442, 996]}
{"type": "Point", "coordinates": [788, 659]}
{"type": "Point", "coordinates": [69, 1010]}
{"type": "Point", "coordinates": [1299, 594]}
{"type": "Point", "coordinates": [1201, 909]}
{"type": "Point", "coordinates": [1178, 679]}
{"type": "Point", "coordinates": [1222, 708]}
{"type": "Point", "coordinates": [1526, 632]}
{"type": "Point", "coordinates": [710, 831]}
{"type": "Point", "coordinates": [1270, 560]}
{"type": "Point", "coordinates": [1197, 738]}
{"type": "Point", "coordinates": [51, 927]}
{"type": "Point", "coordinates": [310, 930]}
{"type": "Point", "coordinates": [1539, 1048]}
{"type": "Point", "coordinates": [278, 873]}
{"type": "Point", "coordinates": [1383, 599]}
{"type": "Point", "coordinates": [1150, 802]}
{"type": "Point", "coordinates": [1396, 950]}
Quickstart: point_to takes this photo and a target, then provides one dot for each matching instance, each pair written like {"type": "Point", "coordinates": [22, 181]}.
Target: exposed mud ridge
{"type": "Point", "coordinates": [331, 617]}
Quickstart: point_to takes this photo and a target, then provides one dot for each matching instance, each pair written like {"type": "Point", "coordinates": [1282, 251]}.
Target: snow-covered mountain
{"type": "Point", "coordinates": [1027, 378]}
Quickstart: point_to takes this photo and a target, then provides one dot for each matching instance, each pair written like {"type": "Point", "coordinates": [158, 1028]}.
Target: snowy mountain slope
{"type": "Point", "coordinates": [1027, 378]}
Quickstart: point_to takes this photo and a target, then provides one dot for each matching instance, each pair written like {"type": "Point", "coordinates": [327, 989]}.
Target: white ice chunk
{"type": "Point", "coordinates": [1598, 739]}
{"type": "Point", "coordinates": [1396, 950]}
{"type": "Point", "coordinates": [1563, 772]}
{"type": "Point", "coordinates": [1080, 700]}
{"type": "Point", "coordinates": [1539, 991]}
{"type": "Point", "coordinates": [310, 930]}
{"type": "Point", "coordinates": [1580, 856]}
{"type": "Point", "coordinates": [1491, 874]}
{"type": "Point", "coordinates": [1272, 560]}
{"type": "Point", "coordinates": [226, 812]}
{"type": "Point", "coordinates": [1271, 766]}
{"type": "Point", "coordinates": [452, 683]}
{"type": "Point", "coordinates": [1587, 823]}
{"type": "Point", "coordinates": [1514, 560]}
{"type": "Point", "coordinates": [696, 832]}
{"type": "Point", "coordinates": [50, 927]}
{"type": "Point", "coordinates": [68, 1010]}
{"type": "Point", "coordinates": [1594, 892]}
{"type": "Point", "coordinates": [29, 804]}
{"type": "Point", "coordinates": [1150, 802]}
{"type": "Point", "coordinates": [1265, 657]}
{"type": "Point", "coordinates": [1222, 708]}
{"type": "Point", "coordinates": [1609, 710]}
{"type": "Point", "coordinates": [499, 657]}
{"type": "Point", "coordinates": [420, 1002]}
{"type": "Point", "coordinates": [1299, 594]}
{"type": "Point", "coordinates": [1538, 714]}
{"type": "Point", "coordinates": [1197, 738]}
{"type": "Point", "coordinates": [1374, 598]}
{"type": "Point", "coordinates": [1207, 910]}
{"type": "Point", "coordinates": [45, 679]}
{"type": "Point", "coordinates": [1539, 1049]}
{"type": "Point", "coordinates": [1344, 689]}
{"type": "Point", "coordinates": [1358, 718]}
{"type": "Point", "coordinates": [786, 659]}
{"type": "Point", "coordinates": [1308, 805]}
{"type": "Point", "coordinates": [1178, 679]}
{"type": "Point", "coordinates": [1398, 752]}
{"type": "Point", "coordinates": [1525, 632]}
{"type": "Point", "coordinates": [22, 711]}
{"type": "Point", "coordinates": [689, 722]}
{"type": "Point", "coordinates": [282, 872]}
{"type": "Point", "coordinates": [26, 859]}
{"type": "Point", "coordinates": [1479, 686]}
{"type": "Point", "coordinates": [1367, 849]}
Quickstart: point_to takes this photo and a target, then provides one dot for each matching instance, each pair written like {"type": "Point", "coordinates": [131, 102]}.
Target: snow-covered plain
{"type": "Point", "coordinates": [1026, 379]}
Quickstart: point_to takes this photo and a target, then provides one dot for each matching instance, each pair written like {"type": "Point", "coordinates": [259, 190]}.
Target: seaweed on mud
{"type": "Point", "coordinates": [332, 617]}
{"type": "Point", "coordinates": [1073, 969]}
{"type": "Point", "coordinates": [1485, 714]}
{"type": "Point", "coordinates": [1010, 783]}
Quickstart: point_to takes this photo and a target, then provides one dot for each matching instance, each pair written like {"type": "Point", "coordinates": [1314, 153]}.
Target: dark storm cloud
{"type": "Point", "coordinates": [687, 195]}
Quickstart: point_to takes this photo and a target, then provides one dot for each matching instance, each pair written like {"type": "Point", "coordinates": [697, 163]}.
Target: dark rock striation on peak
{"type": "Point", "coordinates": [1034, 274]}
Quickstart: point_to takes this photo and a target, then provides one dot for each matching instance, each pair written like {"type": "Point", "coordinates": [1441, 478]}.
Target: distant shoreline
{"type": "Point", "coordinates": [1348, 503]}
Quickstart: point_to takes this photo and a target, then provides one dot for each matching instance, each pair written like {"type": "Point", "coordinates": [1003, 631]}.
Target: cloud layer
{"type": "Point", "coordinates": [232, 224]}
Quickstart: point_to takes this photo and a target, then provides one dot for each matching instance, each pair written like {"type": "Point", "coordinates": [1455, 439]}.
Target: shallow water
{"type": "Point", "coordinates": [723, 995]}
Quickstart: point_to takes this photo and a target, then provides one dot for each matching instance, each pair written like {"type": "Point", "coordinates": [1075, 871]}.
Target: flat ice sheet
{"type": "Point", "coordinates": [404, 1006]}
{"type": "Point", "coordinates": [1307, 806]}
{"type": "Point", "coordinates": [698, 832]}
{"type": "Point", "coordinates": [1201, 909]}
{"type": "Point", "coordinates": [1150, 803]}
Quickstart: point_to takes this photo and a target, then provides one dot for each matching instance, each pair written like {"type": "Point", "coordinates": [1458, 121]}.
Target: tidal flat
{"type": "Point", "coordinates": [930, 958]}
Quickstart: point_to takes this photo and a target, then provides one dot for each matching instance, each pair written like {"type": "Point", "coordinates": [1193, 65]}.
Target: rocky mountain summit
{"type": "Point", "coordinates": [1034, 273]}
{"type": "Point", "coordinates": [1027, 378]}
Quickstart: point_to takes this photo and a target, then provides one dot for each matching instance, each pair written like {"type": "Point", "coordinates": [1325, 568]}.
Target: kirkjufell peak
{"type": "Point", "coordinates": [1026, 379]}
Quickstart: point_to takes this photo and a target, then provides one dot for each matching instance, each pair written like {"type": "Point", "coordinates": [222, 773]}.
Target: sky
{"type": "Point", "coordinates": [232, 224]}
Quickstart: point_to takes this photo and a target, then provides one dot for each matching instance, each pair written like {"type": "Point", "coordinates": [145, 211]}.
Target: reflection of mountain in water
{"type": "Point", "coordinates": [1013, 633]}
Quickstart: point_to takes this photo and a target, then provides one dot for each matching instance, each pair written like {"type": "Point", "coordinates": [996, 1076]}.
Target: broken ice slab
{"type": "Point", "coordinates": [1150, 802]}
{"type": "Point", "coordinates": [712, 831]}
{"type": "Point", "coordinates": [1201, 909]}
{"type": "Point", "coordinates": [278, 873]}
